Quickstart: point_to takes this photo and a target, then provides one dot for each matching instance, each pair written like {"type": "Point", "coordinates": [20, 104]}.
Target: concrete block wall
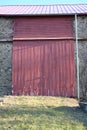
{"type": "Point", "coordinates": [6, 36]}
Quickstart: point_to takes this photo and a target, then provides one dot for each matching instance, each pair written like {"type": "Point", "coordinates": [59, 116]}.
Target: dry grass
{"type": "Point", "coordinates": [41, 113]}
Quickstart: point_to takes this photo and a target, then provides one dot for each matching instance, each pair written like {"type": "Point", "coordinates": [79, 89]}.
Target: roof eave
{"type": "Point", "coordinates": [62, 14]}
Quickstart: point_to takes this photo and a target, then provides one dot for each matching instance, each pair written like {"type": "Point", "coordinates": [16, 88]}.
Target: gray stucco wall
{"type": "Point", "coordinates": [6, 36]}
{"type": "Point", "coordinates": [82, 34]}
{"type": "Point", "coordinates": [6, 29]}
{"type": "Point", "coordinates": [83, 66]}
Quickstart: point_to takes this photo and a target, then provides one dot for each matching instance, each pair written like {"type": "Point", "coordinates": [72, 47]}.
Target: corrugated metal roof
{"type": "Point", "coordinates": [43, 9]}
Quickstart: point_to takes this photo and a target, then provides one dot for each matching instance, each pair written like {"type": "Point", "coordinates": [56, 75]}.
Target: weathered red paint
{"type": "Point", "coordinates": [40, 27]}
{"type": "Point", "coordinates": [44, 68]}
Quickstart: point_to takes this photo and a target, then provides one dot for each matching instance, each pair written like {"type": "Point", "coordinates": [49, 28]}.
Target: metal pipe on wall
{"type": "Point", "coordinates": [77, 57]}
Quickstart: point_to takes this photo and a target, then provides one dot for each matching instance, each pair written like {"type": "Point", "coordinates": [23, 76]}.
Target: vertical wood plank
{"type": "Point", "coordinates": [44, 68]}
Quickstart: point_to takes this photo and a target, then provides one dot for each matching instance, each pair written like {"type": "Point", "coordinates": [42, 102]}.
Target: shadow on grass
{"type": "Point", "coordinates": [74, 112]}
{"type": "Point", "coordinates": [62, 113]}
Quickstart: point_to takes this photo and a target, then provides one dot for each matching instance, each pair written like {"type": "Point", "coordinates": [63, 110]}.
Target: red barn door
{"type": "Point", "coordinates": [43, 67]}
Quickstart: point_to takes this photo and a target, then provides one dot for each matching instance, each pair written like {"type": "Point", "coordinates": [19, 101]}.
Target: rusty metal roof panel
{"type": "Point", "coordinates": [43, 9]}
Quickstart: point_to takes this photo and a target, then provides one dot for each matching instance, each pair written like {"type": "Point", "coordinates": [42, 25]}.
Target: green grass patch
{"type": "Point", "coordinates": [41, 113]}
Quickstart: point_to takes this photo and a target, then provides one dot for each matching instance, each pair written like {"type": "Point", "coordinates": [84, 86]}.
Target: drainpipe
{"type": "Point", "coordinates": [77, 57]}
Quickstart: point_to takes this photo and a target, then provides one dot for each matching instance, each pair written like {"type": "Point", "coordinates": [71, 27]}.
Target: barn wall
{"type": "Point", "coordinates": [6, 36]}
{"type": "Point", "coordinates": [82, 33]}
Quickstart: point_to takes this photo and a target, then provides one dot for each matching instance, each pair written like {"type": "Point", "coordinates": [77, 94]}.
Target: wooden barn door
{"type": "Point", "coordinates": [43, 67]}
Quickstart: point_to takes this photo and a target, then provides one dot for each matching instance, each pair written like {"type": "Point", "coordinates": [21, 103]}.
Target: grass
{"type": "Point", "coordinates": [41, 113]}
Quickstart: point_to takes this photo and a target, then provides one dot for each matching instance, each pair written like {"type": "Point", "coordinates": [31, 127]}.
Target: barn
{"type": "Point", "coordinates": [43, 50]}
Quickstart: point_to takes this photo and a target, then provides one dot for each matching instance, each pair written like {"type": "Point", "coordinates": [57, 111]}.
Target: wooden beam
{"type": "Point", "coordinates": [50, 38]}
